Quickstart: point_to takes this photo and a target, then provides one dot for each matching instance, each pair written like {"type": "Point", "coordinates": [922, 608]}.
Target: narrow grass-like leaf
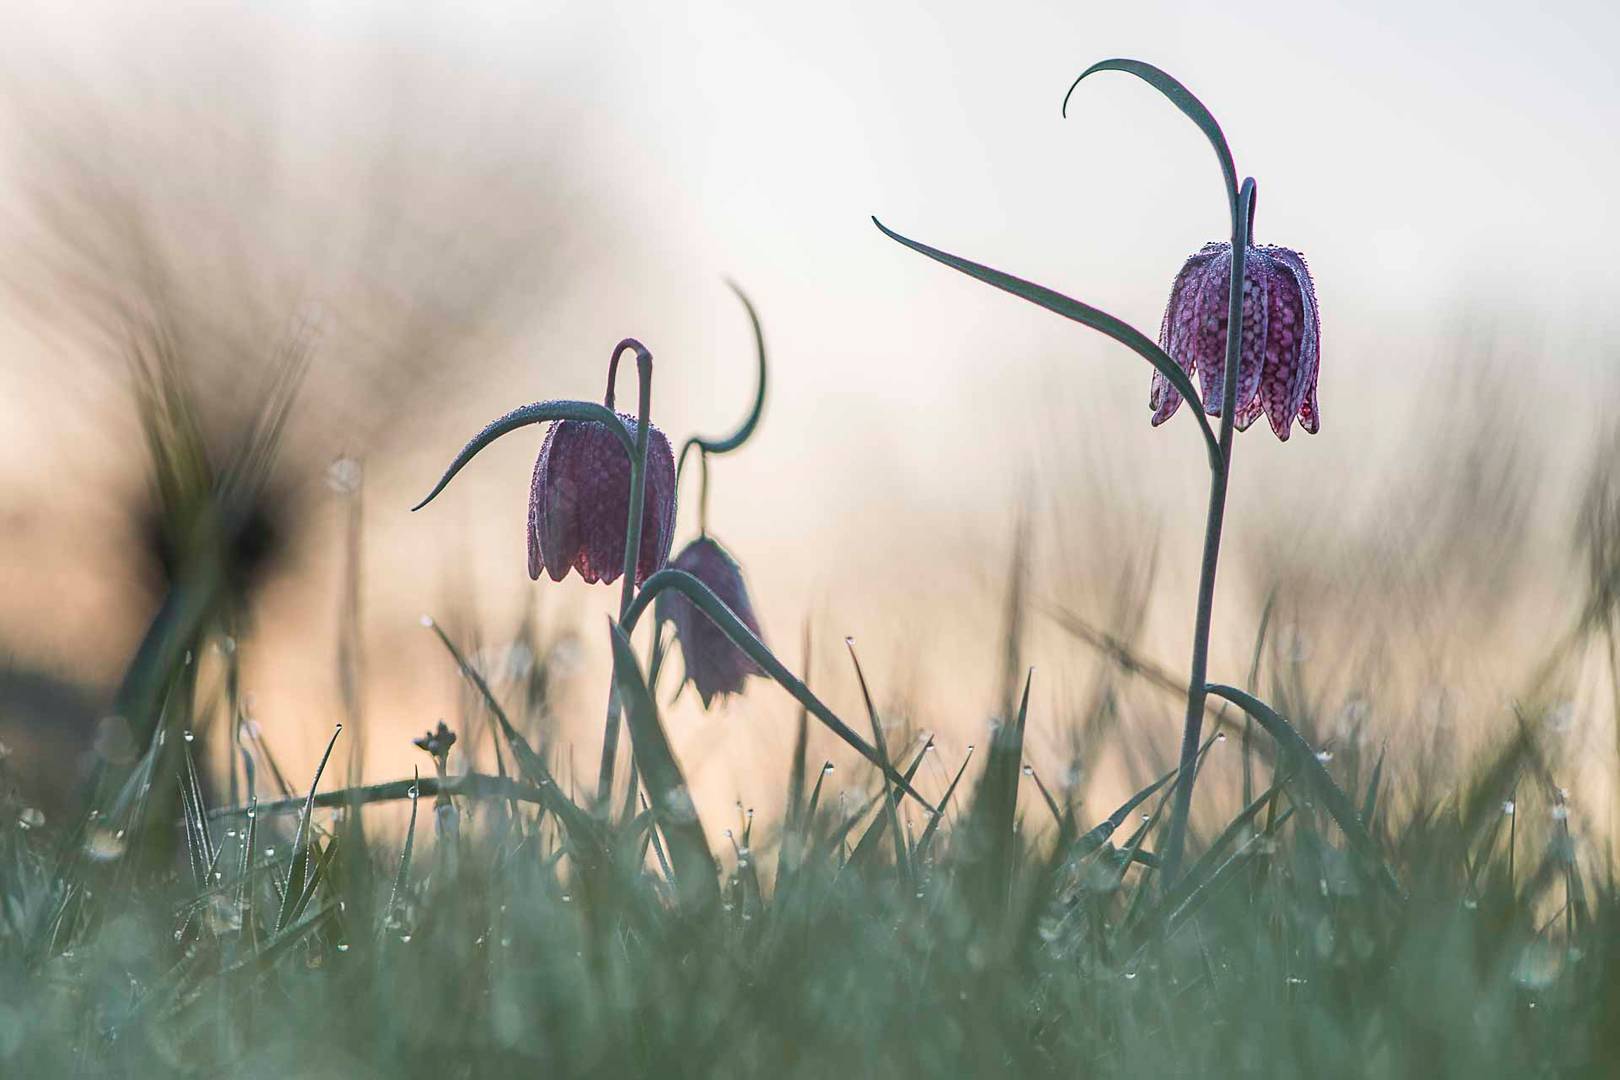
{"type": "Point", "coordinates": [321, 866]}
{"type": "Point", "coordinates": [880, 743]}
{"type": "Point", "coordinates": [582, 829]}
{"type": "Point", "coordinates": [278, 946]}
{"type": "Point", "coordinates": [794, 815]}
{"type": "Point", "coordinates": [1224, 874]}
{"type": "Point", "coordinates": [658, 845]}
{"type": "Point", "coordinates": [815, 793]}
{"type": "Point", "coordinates": [1103, 830]}
{"type": "Point", "coordinates": [298, 868]}
{"type": "Point", "coordinates": [1179, 890]}
{"type": "Point", "coordinates": [1333, 798]}
{"type": "Point", "coordinates": [1133, 847]}
{"type": "Point", "coordinates": [1369, 805]}
{"type": "Point", "coordinates": [696, 874]}
{"type": "Point", "coordinates": [1184, 100]}
{"type": "Point", "coordinates": [538, 413]}
{"type": "Point", "coordinates": [1253, 686]}
{"type": "Point", "coordinates": [866, 846]}
{"type": "Point", "coordinates": [938, 819]}
{"type": "Point", "coordinates": [467, 785]}
{"type": "Point", "coordinates": [992, 817]}
{"type": "Point", "coordinates": [402, 875]}
{"type": "Point", "coordinates": [1046, 796]}
{"type": "Point", "coordinates": [724, 618]}
{"type": "Point", "coordinates": [1082, 313]}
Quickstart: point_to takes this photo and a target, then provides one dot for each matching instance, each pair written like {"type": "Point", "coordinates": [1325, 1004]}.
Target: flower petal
{"type": "Point", "coordinates": [556, 506]}
{"type": "Point", "coordinates": [1307, 333]}
{"type": "Point", "coordinates": [1180, 315]}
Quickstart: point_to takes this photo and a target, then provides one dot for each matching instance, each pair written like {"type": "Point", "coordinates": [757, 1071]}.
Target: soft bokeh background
{"type": "Point", "coordinates": [457, 209]}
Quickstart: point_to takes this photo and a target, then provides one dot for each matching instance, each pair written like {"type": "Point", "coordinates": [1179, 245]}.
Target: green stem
{"type": "Point", "coordinates": [703, 492]}
{"type": "Point", "coordinates": [632, 539]}
{"type": "Point", "coordinates": [1220, 471]}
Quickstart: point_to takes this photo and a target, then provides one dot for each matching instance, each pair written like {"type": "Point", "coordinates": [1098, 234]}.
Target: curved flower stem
{"type": "Point", "coordinates": [726, 444]}
{"type": "Point", "coordinates": [703, 492]}
{"type": "Point", "coordinates": [632, 538]}
{"type": "Point", "coordinates": [1220, 471]}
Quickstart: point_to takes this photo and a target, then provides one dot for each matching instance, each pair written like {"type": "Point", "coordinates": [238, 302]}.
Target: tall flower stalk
{"type": "Point", "coordinates": [632, 539]}
{"type": "Point", "coordinates": [1174, 378]}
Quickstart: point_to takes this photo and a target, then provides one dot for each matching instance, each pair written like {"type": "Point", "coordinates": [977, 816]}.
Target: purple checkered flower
{"type": "Point", "coordinates": [713, 664]}
{"type": "Point", "coordinates": [579, 503]}
{"type": "Point", "coordinates": [1281, 337]}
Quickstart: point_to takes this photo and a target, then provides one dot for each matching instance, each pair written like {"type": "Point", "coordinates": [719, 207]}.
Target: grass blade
{"type": "Point", "coordinates": [944, 801]}
{"type": "Point", "coordinates": [581, 827]}
{"type": "Point", "coordinates": [696, 873]}
{"type": "Point", "coordinates": [402, 876]}
{"type": "Point", "coordinates": [1333, 798]}
{"type": "Point", "coordinates": [878, 741]}
{"type": "Point", "coordinates": [298, 868]}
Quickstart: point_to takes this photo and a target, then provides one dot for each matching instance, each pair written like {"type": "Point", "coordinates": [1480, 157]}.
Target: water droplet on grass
{"type": "Point", "coordinates": [104, 845]}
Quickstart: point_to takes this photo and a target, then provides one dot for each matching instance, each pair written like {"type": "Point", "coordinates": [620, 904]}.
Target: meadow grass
{"type": "Point", "coordinates": [1438, 930]}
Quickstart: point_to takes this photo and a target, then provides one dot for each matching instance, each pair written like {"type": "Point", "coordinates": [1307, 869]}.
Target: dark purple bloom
{"type": "Point", "coordinates": [1281, 337]}
{"type": "Point", "coordinates": [579, 503]}
{"type": "Point", "coordinates": [713, 664]}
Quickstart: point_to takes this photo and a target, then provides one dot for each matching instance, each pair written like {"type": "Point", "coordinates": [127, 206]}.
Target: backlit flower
{"type": "Point", "coordinates": [580, 498]}
{"type": "Point", "coordinates": [1280, 343]}
{"type": "Point", "coordinates": [713, 664]}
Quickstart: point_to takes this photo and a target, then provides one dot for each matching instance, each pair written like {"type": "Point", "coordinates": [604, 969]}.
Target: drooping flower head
{"type": "Point", "coordinates": [579, 503]}
{"type": "Point", "coordinates": [1281, 337]}
{"type": "Point", "coordinates": [713, 664]}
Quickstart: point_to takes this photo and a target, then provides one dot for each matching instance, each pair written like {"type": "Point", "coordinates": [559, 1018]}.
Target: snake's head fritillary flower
{"type": "Point", "coordinates": [713, 664]}
{"type": "Point", "coordinates": [1281, 337]}
{"type": "Point", "coordinates": [579, 503]}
